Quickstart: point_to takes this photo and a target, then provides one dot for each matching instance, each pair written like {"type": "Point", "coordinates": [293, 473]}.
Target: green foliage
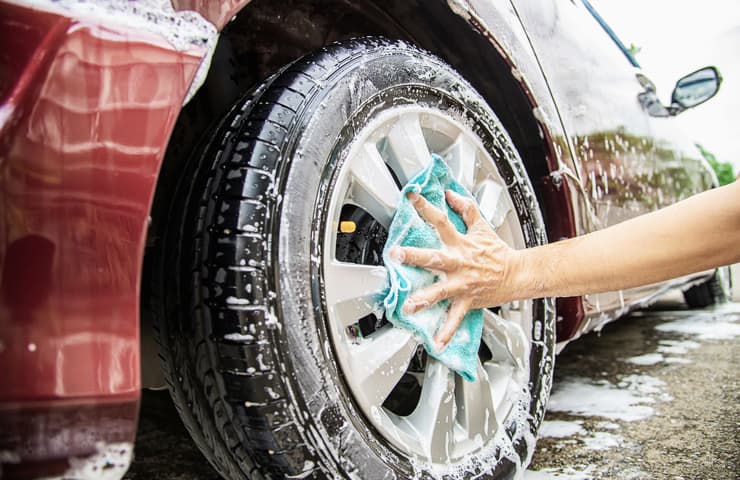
{"type": "Point", "coordinates": [634, 49]}
{"type": "Point", "coordinates": [722, 169]}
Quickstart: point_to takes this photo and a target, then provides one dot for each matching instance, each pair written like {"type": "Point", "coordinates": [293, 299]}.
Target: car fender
{"type": "Point", "coordinates": [83, 127]}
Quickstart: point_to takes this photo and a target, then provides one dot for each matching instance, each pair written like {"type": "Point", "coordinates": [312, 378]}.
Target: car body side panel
{"type": "Point", "coordinates": [607, 129]}
{"type": "Point", "coordinates": [629, 162]}
{"type": "Point", "coordinates": [84, 130]}
{"type": "Point", "coordinates": [597, 95]}
{"type": "Point", "coordinates": [497, 21]}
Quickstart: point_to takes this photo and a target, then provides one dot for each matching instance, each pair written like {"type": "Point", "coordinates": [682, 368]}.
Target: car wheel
{"type": "Point", "coordinates": [275, 344]}
{"type": "Point", "coordinates": [711, 292]}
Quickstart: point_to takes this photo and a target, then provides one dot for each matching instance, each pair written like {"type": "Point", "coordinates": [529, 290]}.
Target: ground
{"type": "Point", "coordinates": [655, 395]}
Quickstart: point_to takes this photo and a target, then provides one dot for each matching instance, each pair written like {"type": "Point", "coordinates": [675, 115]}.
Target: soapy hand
{"type": "Point", "coordinates": [475, 264]}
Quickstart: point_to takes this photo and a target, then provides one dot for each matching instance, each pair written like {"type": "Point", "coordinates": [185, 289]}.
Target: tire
{"type": "Point", "coordinates": [247, 294]}
{"type": "Point", "coordinates": [714, 290]}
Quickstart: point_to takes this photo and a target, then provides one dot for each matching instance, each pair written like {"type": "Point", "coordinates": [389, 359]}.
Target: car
{"type": "Point", "coordinates": [196, 196]}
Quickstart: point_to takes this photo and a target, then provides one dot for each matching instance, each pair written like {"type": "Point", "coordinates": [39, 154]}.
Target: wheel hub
{"type": "Point", "coordinates": [413, 401]}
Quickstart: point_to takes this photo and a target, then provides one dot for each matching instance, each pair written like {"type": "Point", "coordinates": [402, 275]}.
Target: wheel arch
{"type": "Point", "coordinates": [246, 54]}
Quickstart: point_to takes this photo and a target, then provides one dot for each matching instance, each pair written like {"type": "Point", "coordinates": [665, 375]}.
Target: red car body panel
{"type": "Point", "coordinates": [628, 162]}
{"type": "Point", "coordinates": [86, 113]}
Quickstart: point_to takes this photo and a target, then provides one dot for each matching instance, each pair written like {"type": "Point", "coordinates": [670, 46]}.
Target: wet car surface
{"type": "Point", "coordinates": [169, 184]}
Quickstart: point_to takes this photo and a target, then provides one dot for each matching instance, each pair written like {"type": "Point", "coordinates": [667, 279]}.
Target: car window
{"type": "Point", "coordinates": [611, 33]}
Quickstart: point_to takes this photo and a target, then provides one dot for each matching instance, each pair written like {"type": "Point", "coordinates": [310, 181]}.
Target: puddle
{"type": "Point", "coordinates": [567, 473]}
{"type": "Point", "coordinates": [560, 429]}
{"type": "Point", "coordinates": [603, 441]}
{"type": "Point", "coordinates": [704, 327]}
{"type": "Point", "coordinates": [647, 359]}
{"type": "Point", "coordinates": [677, 347]}
{"type": "Point", "coordinates": [600, 398]}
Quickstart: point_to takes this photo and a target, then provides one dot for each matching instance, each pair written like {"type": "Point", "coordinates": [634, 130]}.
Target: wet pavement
{"type": "Point", "coordinates": [655, 395]}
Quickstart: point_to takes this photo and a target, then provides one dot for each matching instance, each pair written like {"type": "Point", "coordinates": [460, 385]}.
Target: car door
{"type": "Point", "coordinates": [627, 159]}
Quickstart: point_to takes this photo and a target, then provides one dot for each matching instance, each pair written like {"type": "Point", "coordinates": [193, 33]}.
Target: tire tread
{"type": "Point", "coordinates": [240, 382]}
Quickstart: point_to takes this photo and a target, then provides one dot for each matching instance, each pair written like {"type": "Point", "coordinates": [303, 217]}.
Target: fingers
{"type": "Point", "coordinates": [427, 297]}
{"type": "Point", "coordinates": [436, 217]}
{"type": "Point", "coordinates": [425, 258]}
{"type": "Point", "coordinates": [455, 315]}
{"type": "Point", "coordinates": [465, 207]}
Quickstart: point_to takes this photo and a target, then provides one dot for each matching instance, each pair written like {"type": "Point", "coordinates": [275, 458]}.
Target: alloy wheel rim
{"type": "Point", "coordinates": [452, 418]}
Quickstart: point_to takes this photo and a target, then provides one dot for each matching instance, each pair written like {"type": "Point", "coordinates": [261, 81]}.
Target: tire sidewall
{"type": "Point", "coordinates": [345, 443]}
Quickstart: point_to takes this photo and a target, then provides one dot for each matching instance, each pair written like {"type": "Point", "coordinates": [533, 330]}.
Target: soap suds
{"type": "Point", "coordinates": [647, 359]}
{"type": "Point", "coordinates": [184, 31]}
{"type": "Point", "coordinates": [567, 473]}
{"type": "Point", "coordinates": [703, 327]}
{"type": "Point", "coordinates": [109, 463]}
{"type": "Point", "coordinates": [560, 429]}
{"type": "Point", "coordinates": [584, 397]}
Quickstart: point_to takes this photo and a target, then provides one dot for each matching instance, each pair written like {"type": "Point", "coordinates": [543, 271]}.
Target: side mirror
{"type": "Point", "coordinates": [695, 89]}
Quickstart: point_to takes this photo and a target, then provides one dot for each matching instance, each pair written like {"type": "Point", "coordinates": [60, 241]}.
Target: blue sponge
{"type": "Point", "coordinates": [408, 229]}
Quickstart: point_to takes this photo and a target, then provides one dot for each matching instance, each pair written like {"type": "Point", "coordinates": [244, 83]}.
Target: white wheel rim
{"type": "Point", "coordinates": [453, 418]}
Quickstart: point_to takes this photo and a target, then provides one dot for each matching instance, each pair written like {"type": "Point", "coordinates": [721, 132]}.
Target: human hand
{"type": "Point", "coordinates": [475, 264]}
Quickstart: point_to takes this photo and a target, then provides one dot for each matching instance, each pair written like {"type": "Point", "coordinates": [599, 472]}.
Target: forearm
{"type": "Point", "coordinates": [697, 234]}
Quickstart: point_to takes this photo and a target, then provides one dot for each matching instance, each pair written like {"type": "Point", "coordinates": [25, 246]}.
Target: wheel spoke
{"type": "Point", "coordinates": [512, 312]}
{"type": "Point", "coordinates": [410, 150]}
{"type": "Point", "coordinates": [395, 426]}
{"type": "Point", "coordinates": [373, 186]}
{"type": "Point", "coordinates": [461, 158]}
{"type": "Point", "coordinates": [505, 233]}
{"type": "Point", "coordinates": [434, 417]}
{"type": "Point", "coordinates": [475, 408]}
{"type": "Point", "coordinates": [380, 361]}
{"type": "Point", "coordinates": [494, 202]}
{"type": "Point", "coordinates": [354, 291]}
{"type": "Point", "coordinates": [499, 377]}
{"type": "Point", "coordinates": [499, 333]}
